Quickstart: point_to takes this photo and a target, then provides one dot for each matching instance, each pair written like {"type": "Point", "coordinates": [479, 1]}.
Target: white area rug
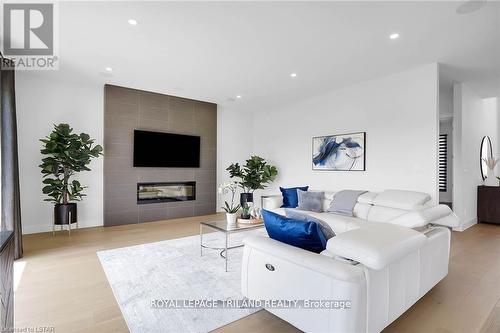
{"type": "Point", "coordinates": [174, 270]}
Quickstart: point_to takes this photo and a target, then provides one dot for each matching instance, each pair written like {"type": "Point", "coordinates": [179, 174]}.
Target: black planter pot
{"type": "Point", "coordinates": [245, 197]}
{"type": "Point", "coordinates": [65, 214]}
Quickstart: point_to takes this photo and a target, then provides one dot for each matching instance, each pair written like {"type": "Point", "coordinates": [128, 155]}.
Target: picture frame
{"type": "Point", "coordinates": [339, 152]}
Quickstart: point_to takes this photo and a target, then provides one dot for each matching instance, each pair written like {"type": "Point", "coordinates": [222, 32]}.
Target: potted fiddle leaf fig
{"type": "Point", "coordinates": [65, 154]}
{"type": "Point", "coordinates": [256, 174]}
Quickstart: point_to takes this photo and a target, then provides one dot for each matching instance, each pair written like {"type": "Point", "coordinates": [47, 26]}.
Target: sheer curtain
{"type": "Point", "coordinates": [10, 200]}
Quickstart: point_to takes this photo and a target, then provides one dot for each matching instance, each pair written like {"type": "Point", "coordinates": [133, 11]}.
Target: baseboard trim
{"type": "Point", "coordinates": [466, 225]}
{"type": "Point", "coordinates": [37, 229]}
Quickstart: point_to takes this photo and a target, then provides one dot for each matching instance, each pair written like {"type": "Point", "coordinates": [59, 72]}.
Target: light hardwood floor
{"type": "Point", "coordinates": [63, 284]}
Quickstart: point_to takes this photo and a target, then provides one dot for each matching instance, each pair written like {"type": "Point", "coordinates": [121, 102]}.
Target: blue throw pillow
{"type": "Point", "coordinates": [306, 235]}
{"type": "Point", "coordinates": [290, 196]}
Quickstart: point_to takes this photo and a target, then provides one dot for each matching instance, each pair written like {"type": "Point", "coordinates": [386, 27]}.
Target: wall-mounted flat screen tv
{"type": "Point", "coordinates": [166, 150]}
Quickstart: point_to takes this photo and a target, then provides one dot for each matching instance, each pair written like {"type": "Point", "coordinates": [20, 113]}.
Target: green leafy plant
{"type": "Point", "coordinates": [230, 208]}
{"type": "Point", "coordinates": [245, 209]}
{"type": "Point", "coordinates": [256, 174]}
{"type": "Point", "coordinates": [66, 154]}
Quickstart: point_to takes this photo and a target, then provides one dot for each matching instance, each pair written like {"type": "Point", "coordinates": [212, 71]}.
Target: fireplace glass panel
{"type": "Point", "coordinates": [161, 192]}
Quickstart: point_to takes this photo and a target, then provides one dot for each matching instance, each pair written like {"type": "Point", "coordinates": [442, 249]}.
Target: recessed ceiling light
{"type": "Point", "coordinates": [132, 22]}
{"type": "Point", "coordinates": [293, 75]}
{"type": "Point", "coordinates": [108, 69]}
{"type": "Point", "coordinates": [238, 96]}
{"type": "Point", "coordinates": [394, 36]}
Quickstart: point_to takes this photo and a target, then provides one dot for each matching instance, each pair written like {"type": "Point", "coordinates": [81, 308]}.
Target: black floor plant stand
{"type": "Point", "coordinates": [61, 228]}
{"type": "Point", "coordinates": [65, 214]}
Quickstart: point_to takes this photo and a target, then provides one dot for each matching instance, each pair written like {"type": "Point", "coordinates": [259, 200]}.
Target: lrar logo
{"type": "Point", "coordinates": [30, 32]}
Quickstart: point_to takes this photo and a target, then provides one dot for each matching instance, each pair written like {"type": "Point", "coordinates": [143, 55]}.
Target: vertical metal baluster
{"type": "Point", "coordinates": [201, 240]}
{"type": "Point", "coordinates": [226, 250]}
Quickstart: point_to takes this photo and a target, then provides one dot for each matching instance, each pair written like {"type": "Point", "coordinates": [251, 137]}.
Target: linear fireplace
{"type": "Point", "coordinates": [165, 192]}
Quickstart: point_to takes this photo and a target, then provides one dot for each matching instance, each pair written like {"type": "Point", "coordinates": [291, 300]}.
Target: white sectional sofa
{"type": "Point", "coordinates": [383, 259]}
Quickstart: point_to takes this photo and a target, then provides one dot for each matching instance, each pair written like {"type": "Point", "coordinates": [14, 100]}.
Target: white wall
{"type": "Point", "coordinates": [398, 113]}
{"type": "Point", "coordinates": [445, 98]}
{"type": "Point", "coordinates": [473, 119]}
{"type": "Point", "coordinates": [41, 103]}
{"type": "Point", "coordinates": [234, 142]}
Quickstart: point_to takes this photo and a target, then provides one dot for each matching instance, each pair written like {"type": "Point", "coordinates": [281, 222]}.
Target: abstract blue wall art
{"type": "Point", "coordinates": [343, 152]}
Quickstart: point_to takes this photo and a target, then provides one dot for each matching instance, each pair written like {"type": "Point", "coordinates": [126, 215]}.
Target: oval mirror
{"type": "Point", "coordinates": [485, 153]}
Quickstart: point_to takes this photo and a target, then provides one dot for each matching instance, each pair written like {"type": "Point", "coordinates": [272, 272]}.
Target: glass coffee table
{"type": "Point", "coordinates": [222, 226]}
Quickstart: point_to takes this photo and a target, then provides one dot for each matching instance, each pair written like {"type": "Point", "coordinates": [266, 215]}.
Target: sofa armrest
{"type": "Point", "coordinates": [376, 245]}
{"type": "Point", "coordinates": [322, 264]}
{"type": "Point", "coordinates": [270, 202]}
{"type": "Point", "coordinates": [440, 215]}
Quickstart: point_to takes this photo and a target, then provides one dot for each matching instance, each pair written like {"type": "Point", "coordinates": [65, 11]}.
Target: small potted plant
{"type": "Point", "coordinates": [256, 174]}
{"type": "Point", "coordinates": [245, 211]}
{"type": "Point", "coordinates": [231, 209]}
{"type": "Point", "coordinates": [66, 153]}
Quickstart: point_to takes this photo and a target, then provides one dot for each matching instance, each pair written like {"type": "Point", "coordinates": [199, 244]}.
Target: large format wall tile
{"type": "Point", "coordinates": [120, 150]}
{"type": "Point", "coordinates": [153, 125]}
{"type": "Point", "coordinates": [155, 100]}
{"type": "Point", "coordinates": [117, 109]}
{"type": "Point", "coordinates": [154, 113]}
{"type": "Point", "coordinates": [112, 191]}
{"type": "Point", "coordinates": [119, 177]}
{"type": "Point", "coordinates": [121, 95]}
{"type": "Point", "coordinates": [129, 109]}
{"type": "Point", "coordinates": [147, 214]}
{"type": "Point", "coordinates": [119, 122]}
{"type": "Point", "coordinates": [181, 121]}
{"type": "Point", "coordinates": [118, 135]}
{"type": "Point", "coordinates": [182, 211]}
{"type": "Point", "coordinates": [120, 217]}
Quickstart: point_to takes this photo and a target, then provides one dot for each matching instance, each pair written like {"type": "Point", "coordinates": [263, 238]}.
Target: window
{"type": "Point", "coordinates": [443, 162]}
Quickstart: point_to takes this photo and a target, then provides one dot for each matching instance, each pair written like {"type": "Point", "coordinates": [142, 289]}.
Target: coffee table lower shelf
{"type": "Point", "coordinates": [222, 226]}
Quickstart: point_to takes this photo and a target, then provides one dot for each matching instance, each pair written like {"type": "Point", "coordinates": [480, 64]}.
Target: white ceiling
{"type": "Point", "coordinates": [215, 51]}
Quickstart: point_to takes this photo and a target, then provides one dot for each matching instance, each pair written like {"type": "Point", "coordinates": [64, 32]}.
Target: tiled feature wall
{"type": "Point", "coordinates": [128, 109]}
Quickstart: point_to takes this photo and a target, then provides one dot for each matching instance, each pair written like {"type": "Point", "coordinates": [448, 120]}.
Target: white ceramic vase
{"type": "Point", "coordinates": [231, 218]}
{"type": "Point", "coordinates": [491, 180]}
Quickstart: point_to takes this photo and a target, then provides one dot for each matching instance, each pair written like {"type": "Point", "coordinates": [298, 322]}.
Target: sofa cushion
{"type": "Point", "coordinates": [361, 210]}
{"type": "Point", "coordinates": [367, 198]}
{"type": "Point", "coordinates": [298, 215]}
{"type": "Point", "coordinates": [290, 197]}
{"type": "Point", "coordinates": [376, 245]}
{"type": "Point", "coordinates": [338, 223]}
{"type": "Point", "coordinates": [384, 214]}
{"type": "Point", "coordinates": [325, 204]}
{"type": "Point", "coordinates": [312, 201]}
{"type": "Point", "coordinates": [329, 195]}
{"type": "Point", "coordinates": [440, 214]}
{"type": "Point", "coordinates": [305, 235]}
{"type": "Point", "coordinates": [407, 200]}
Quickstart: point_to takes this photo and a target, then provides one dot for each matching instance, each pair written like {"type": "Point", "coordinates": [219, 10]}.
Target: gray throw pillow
{"type": "Point", "coordinates": [344, 201]}
{"type": "Point", "coordinates": [325, 227]}
{"type": "Point", "coordinates": [312, 201]}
